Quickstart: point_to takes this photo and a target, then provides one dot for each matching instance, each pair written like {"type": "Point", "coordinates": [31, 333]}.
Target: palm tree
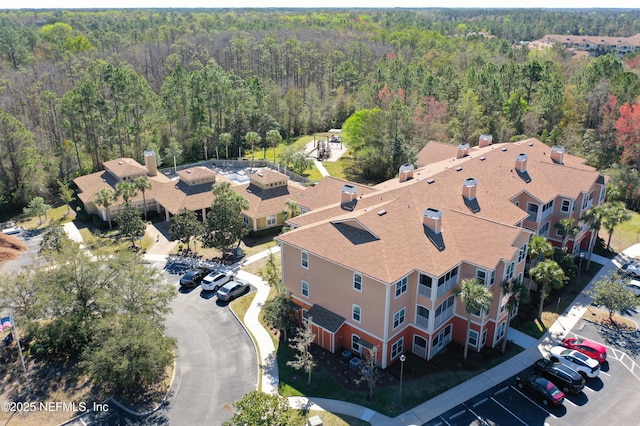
{"type": "Point", "coordinates": [475, 297]}
{"type": "Point", "coordinates": [539, 246]}
{"type": "Point", "coordinates": [226, 139]}
{"type": "Point", "coordinates": [253, 138]}
{"type": "Point", "coordinates": [594, 216]}
{"type": "Point", "coordinates": [105, 198]}
{"type": "Point", "coordinates": [548, 276]}
{"type": "Point", "coordinates": [274, 138]}
{"type": "Point", "coordinates": [517, 292]}
{"type": "Point", "coordinates": [126, 190]}
{"type": "Point", "coordinates": [615, 214]}
{"type": "Point", "coordinates": [567, 228]}
{"type": "Point", "coordinates": [142, 184]}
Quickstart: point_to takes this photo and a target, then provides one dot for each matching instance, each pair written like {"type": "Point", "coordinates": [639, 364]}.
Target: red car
{"type": "Point", "coordinates": [591, 349]}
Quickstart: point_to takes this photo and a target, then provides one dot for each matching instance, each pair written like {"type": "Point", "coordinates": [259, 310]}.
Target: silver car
{"type": "Point", "coordinates": [232, 289]}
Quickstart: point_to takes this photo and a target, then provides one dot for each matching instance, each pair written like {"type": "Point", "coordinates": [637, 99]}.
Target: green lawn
{"type": "Point", "coordinates": [337, 168]}
{"type": "Point", "coordinates": [54, 215]}
{"type": "Point", "coordinates": [624, 235]}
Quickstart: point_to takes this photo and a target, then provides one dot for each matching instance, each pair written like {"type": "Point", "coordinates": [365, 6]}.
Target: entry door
{"type": "Point", "coordinates": [420, 346]}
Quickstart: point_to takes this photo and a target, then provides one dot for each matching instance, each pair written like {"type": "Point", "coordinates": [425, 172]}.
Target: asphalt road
{"type": "Point", "coordinates": [32, 239]}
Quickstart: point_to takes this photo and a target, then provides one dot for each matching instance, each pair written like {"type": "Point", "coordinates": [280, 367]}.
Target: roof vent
{"type": "Point", "coordinates": [521, 163]}
{"type": "Point", "coordinates": [188, 170]}
{"type": "Point", "coordinates": [120, 162]}
{"type": "Point", "coordinates": [458, 169]}
{"type": "Point", "coordinates": [430, 181]}
{"type": "Point", "coordinates": [260, 174]}
{"type": "Point", "coordinates": [382, 212]}
{"type": "Point", "coordinates": [432, 225]}
{"type": "Point", "coordinates": [469, 188]}
{"type": "Point", "coordinates": [483, 158]}
{"type": "Point", "coordinates": [504, 149]}
{"type": "Point", "coordinates": [348, 197]}
{"type": "Point", "coordinates": [530, 143]}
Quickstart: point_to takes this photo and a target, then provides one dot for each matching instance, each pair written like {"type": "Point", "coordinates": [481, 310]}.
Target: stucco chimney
{"type": "Point", "coordinates": [432, 219]}
{"type": "Point", "coordinates": [485, 140]}
{"type": "Point", "coordinates": [463, 150]}
{"type": "Point", "coordinates": [406, 172]}
{"type": "Point", "coordinates": [557, 154]}
{"type": "Point", "coordinates": [521, 163]}
{"type": "Point", "coordinates": [469, 188]}
{"type": "Point", "coordinates": [150, 163]}
{"type": "Point", "coordinates": [348, 193]}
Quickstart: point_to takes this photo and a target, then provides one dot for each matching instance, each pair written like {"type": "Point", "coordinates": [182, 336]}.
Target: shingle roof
{"type": "Point", "coordinates": [402, 246]}
{"type": "Point", "coordinates": [326, 192]}
{"type": "Point", "coordinates": [325, 318]}
{"type": "Point", "coordinates": [435, 151]}
{"type": "Point", "coordinates": [124, 167]}
{"type": "Point", "coordinates": [263, 202]}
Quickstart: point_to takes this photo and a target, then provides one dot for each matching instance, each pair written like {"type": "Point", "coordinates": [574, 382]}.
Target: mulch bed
{"type": "Point", "coordinates": [601, 316]}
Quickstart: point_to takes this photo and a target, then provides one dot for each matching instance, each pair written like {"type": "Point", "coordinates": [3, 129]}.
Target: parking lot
{"type": "Point", "coordinates": [608, 399]}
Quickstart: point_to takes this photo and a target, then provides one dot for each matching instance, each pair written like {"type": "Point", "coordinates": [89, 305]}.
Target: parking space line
{"type": "Point", "coordinates": [482, 401]}
{"type": "Point", "coordinates": [570, 402]}
{"type": "Point", "coordinates": [504, 389]}
{"type": "Point", "coordinates": [445, 421]}
{"type": "Point", "coordinates": [535, 403]}
{"type": "Point", "coordinates": [458, 414]}
{"type": "Point", "coordinates": [509, 411]}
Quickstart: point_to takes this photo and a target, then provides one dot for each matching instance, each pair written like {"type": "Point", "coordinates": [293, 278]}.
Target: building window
{"type": "Point", "coordinates": [398, 318]}
{"type": "Point", "coordinates": [484, 339]}
{"type": "Point", "coordinates": [522, 254]}
{"type": "Point", "coordinates": [532, 209]}
{"type": "Point", "coordinates": [473, 338]}
{"type": "Point", "coordinates": [304, 259]}
{"type": "Point", "coordinates": [422, 317]}
{"type": "Point", "coordinates": [357, 282]}
{"type": "Point", "coordinates": [544, 231]}
{"type": "Point", "coordinates": [397, 348]}
{"type": "Point", "coordinates": [500, 331]}
{"type": "Point", "coordinates": [447, 281]}
{"type": "Point", "coordinates": [509, 273]}
{"type": "Point", "coordinates": [305, 288]}
{"type": "Point", "coordinates": [356, 313]}
{"type": "Point", "coordinates": [401, 286]}
{"type": "Point", "coordinates": [424, 285]}
{"type": "Point", "coordinates": [271, 220]}
{"type": "Point", "coordinates": [444, 311]}
{"type": "Point", "coordinates": [566, 206]}
{"type": "Point", "coordinates": [486, 277]}
{"type": "Point", "coordinates": [245, 220]}
{"type": "Point", "coordinates": [355, 345]}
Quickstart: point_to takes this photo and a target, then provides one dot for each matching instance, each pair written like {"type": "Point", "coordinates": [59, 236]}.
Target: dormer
{"type": "Point", "coordinates": [197, 176]}
{"type": "Point", "coordinates": [268, 179]}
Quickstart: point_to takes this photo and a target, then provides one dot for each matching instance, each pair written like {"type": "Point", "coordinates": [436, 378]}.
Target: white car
{"type": "Point", "coordinates": [216, 279]}
{"type": "Point", "coordinates": [575, 360]}
{"type": "Point", "coordinates": [634, 286]}
{"type": "Point", "coordinates": [632, 268]}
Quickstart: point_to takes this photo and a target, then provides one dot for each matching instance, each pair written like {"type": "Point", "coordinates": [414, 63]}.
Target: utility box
{"type": "Point", "coordinates": [314, 421]}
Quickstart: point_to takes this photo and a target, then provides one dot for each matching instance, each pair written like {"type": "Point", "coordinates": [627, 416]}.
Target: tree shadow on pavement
{"type": "Point", "coordinates": [621, 340]}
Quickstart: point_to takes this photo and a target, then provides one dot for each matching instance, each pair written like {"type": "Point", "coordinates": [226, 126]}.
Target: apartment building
{"type": "Point", "coordinates": [595, 45]}
{"type": "Point", "coordinates": [378, 267]}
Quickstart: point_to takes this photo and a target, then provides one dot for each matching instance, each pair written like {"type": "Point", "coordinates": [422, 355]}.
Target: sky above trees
{"type": "Point", "coordinates": [110, 4]}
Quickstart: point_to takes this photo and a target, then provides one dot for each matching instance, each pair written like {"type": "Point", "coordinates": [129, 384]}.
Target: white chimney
{"type": "Point", "coordinates": [485, 140]}
{"type": "Point", "coordinates": [469, 188]}
{"type": "Point", "coordinates": [150, 163]}
{"type": "Point", "coordinates": [406, 172]}
{"type": "Point", "coordinates": [348, 193]}
{"type": "Point", "coordinates": [432, 219]}
{"type": "Point", "coordinates": [521, 163]}
{"type": "Point", "coordinates": [557, 154]}
{"type": "Point", "coordinates": [463, 150]}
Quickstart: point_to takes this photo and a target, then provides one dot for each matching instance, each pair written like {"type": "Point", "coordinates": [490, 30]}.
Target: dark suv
{"type": "Point", "coordinates": [568, 380]}
{"type": "Point", "coordinates": [193, 277]}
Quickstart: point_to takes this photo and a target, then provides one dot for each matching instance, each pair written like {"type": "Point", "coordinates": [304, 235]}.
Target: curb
{"type": "Point", "coordinates": [255, 345]}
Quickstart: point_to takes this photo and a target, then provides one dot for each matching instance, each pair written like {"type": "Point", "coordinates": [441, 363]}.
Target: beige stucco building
{"type": "Point", "coordinates": [377, 266]}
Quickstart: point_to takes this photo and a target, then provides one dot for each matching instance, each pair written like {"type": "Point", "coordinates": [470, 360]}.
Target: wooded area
{"type": "Point", "coordinates": [81, 87]}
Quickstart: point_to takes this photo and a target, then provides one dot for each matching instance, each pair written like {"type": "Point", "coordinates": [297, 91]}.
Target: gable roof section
{"type": "Point", "coordinates": [264, 202]}
{"type": "Point", "coordinates": [124, 167]}
{"type": "Point", "coordinates": [435, 151]}
{"type": "Point", "coordinates": [327, 192]}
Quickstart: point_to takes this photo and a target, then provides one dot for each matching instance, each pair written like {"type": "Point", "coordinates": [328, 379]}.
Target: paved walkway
{"type": "Point", "coordinates": [321, 168]}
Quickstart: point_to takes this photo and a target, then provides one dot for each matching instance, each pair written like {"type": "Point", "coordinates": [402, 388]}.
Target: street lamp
{"type": "Point", "coordinates": [579, 270]}
{"type": "Point", "coordinates": [402, 360]}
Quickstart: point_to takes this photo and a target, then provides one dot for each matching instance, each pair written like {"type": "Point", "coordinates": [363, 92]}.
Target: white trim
{"type": "Point", "coordinates": [353, 312]}
{"type": "Point", "coordinates": [302, 261]}
{"type": "Point", "coordinates": [354, 282]}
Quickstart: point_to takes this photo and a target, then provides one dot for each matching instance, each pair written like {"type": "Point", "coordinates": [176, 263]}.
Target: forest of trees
{"type": "Point", "coordinates": [81, 87]}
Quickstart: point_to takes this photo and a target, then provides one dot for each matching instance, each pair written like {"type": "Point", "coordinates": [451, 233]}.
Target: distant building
{"type": "Point", "coordinates": [595, 45]}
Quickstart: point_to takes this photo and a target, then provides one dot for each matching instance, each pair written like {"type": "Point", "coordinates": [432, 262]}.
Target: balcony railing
{"type": "Point", "coordinates": [440, 319]}
{"type": "Point", "coordinates": [422, 322]}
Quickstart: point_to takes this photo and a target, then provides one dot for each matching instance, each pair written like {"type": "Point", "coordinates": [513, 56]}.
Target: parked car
{"type": "Point", "coordinates": [193, 277]}
{"type": "Point", "coordinates": [216, 279]}
{"type": "Point", "coordinates": [232, 289]}
{"type": "Point", "coordinates": [565, 378]}
{"type": "Point", "coordinates": [634, 286]}
{"type": "Point", "coordinates": [591, 349]}
{"type": "Point", "coordinates": [542, 387]}
{"type": "Point", "coordinates": [10, 228]}
{"type": "Point", "coordinates": [632, 268]}
{"type": "Point", "coordinates": [587, 367]}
